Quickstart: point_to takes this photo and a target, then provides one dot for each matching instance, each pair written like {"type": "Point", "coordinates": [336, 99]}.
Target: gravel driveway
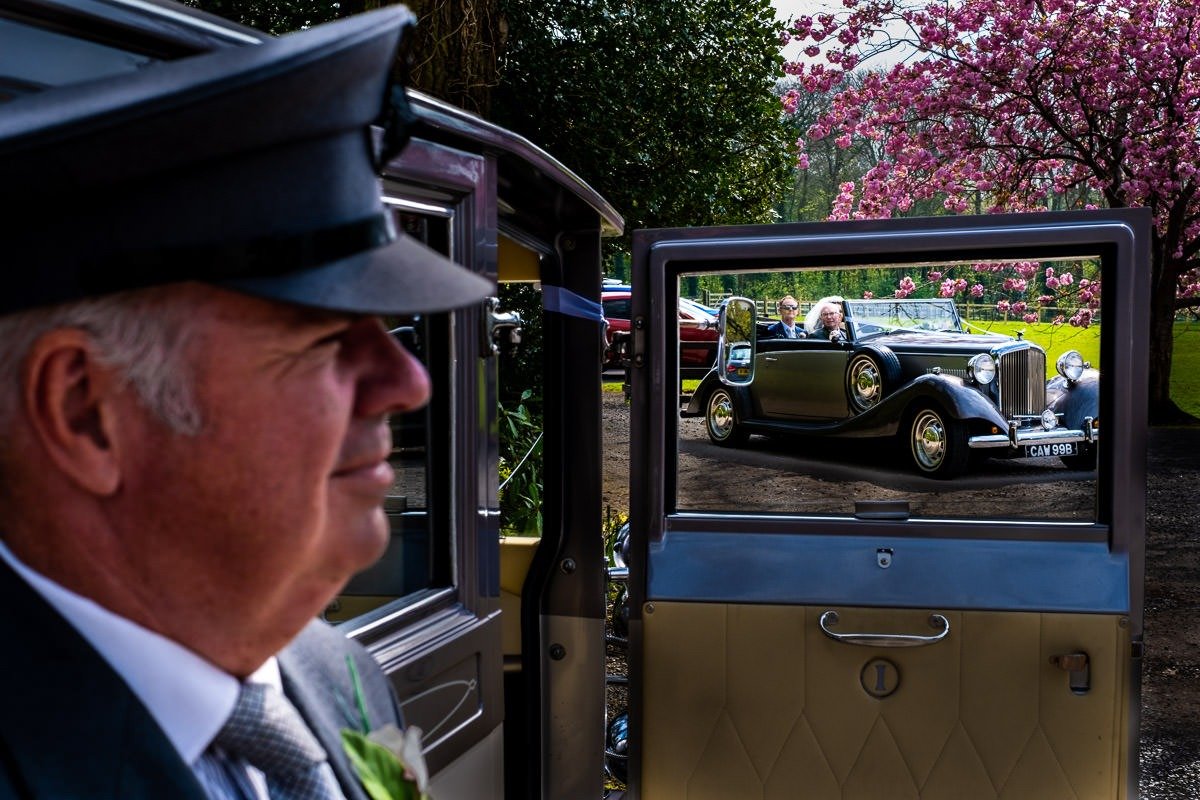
{"type": "Point", "coordinates": [1171, 668]}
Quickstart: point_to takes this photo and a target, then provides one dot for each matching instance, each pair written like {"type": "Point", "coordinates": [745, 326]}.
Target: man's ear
{"type": "Point", "coordinates": [71, 400]}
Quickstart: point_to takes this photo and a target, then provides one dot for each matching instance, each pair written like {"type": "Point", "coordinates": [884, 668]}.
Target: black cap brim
{"type": "Point", "coordinates": [404, 277]}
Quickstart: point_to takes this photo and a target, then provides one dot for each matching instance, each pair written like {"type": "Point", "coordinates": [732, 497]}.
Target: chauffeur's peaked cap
{"type": "Point", "coordinates": [250, 167]}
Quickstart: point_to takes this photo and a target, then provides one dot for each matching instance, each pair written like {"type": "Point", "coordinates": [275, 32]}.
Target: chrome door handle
{"type": "Point", "coordinates": [770, 359]}
{"type": "Point", "coordinates": [830, 619]}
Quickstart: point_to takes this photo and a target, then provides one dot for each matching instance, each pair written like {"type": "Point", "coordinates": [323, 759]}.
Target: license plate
{"type": "Point", "coordinates": [1049, 450]}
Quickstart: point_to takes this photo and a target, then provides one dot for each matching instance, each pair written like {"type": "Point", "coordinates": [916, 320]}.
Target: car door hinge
{"type": "Point", "coordinates": [638, 357]}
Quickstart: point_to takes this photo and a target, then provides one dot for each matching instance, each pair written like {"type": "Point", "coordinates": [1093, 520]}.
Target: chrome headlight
{"type": "Point", "coordinates": [1070, 365]}
{"type": "Point", "coordinates": [982, 368]}
{"type": "Point", "coordinates": [1049, 420]}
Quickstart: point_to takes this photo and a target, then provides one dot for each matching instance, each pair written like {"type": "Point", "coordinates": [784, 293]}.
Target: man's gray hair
{"type": "Point", "coordinates": [141, 333]}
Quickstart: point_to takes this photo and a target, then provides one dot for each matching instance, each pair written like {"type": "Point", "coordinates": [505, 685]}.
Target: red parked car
{"type": "Point", "coordinates": [697, 329]}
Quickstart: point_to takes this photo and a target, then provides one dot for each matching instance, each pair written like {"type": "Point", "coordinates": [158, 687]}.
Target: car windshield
{"type": "Point", "coordinates": [873, 316]}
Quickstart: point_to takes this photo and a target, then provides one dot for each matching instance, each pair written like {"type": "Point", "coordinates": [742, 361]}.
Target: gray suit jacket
{"type": "Point", "coordinates": [70, 728]}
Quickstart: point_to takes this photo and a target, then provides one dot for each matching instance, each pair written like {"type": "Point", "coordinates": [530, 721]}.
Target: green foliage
{"type": "Point", "coordinates": [666, 109]}
{"type": "Point", "coordinates": [520, 415]}
{"type": "Point", "coordinates": [272, 16]}
{"type": "Point", "coordinates": [521, 366]}
{"type": "Point", "coordinates": [520, 469]}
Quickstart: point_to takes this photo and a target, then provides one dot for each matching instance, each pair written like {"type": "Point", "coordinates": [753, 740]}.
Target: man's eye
{"type": "Point", "coordinates": [334, 339]}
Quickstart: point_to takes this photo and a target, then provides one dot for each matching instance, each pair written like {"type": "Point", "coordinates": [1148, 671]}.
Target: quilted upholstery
{"type": "Point", "coordinates": [754, 701]}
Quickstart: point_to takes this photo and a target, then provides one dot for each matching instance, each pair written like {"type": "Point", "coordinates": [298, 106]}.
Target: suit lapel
{"type": "Point", "coordinates": [326, 704]}
{"type": "Point", "coordinates": [71, 726]}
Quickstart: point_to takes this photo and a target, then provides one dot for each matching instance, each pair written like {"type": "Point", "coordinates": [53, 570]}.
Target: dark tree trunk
{"type": "Point", "coordinates": [1164, 279]}
{"type": "Point", "coordinates": [454, 51]}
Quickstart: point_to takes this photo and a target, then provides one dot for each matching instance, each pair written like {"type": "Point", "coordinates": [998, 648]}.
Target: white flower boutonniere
{"type": "Point", "coordinates": [390, 762]}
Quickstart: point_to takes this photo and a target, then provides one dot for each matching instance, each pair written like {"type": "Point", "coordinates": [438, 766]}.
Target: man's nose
{"type": "Point", "coordinates": [392, 379]}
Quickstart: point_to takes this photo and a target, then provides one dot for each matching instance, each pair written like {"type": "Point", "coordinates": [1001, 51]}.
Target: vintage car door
{"type": "Point", "coordinates": [801, 378]}
{"type": "Point", "coordinates": [884, 635]}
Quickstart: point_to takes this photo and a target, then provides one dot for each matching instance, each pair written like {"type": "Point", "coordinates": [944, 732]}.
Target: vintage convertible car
{"type": "Point", "coordinates": [908, 369]}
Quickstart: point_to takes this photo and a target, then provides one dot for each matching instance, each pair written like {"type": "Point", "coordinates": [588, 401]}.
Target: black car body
{"type": "Point", "coordinates": [908, 368]}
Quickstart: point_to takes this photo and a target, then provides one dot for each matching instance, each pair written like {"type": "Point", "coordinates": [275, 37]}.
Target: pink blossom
{"type": "Point", "coordinates": [947, 288]}
{"type": "Point", "coordinates": [935, 276]}
{"type": "Point", "coordinates": [868, 294]}
{"type": "Point", "coordinates": [791, 99]}
{"type": "Point", "coordinates": [1031, 317]}
{"type": "Point", "coordinates": [1018, 106]}
{"type": "Point", "coordinates": [1002, 306]}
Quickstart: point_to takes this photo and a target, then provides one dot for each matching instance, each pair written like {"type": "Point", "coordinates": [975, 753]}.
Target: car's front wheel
{"type": "Point", "coordinates": [720, 419]}
{"type": "Point", "coordinates": [938, 444]}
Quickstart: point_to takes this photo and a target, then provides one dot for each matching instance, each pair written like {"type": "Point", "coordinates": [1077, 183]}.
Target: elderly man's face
{"type": "Point", "coordinates": [831, 317]}
{"type": "Point", "coordinates": [277, 501]}
{"type": "Point", "coordinates": [787, 311]}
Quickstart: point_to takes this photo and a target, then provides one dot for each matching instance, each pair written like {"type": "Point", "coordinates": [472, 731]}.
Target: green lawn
{"type": "Point", "coordinates": [1185, 369]}
{"type": "Point", "coordinates": [1054, 339]}
{"type": "Point", "coordinates": [1185, 366]}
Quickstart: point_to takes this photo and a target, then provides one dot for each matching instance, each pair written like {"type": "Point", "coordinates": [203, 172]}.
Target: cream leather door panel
{"type": "Point", "coordinates": [756, 701]}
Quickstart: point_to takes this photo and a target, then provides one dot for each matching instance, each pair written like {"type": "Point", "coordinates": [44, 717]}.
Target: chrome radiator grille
{"type": "Point", "coordinates": [1021, 376]}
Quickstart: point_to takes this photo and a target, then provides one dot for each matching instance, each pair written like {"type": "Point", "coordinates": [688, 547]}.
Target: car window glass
{"type": "Point", "coordinates": [32, 60]}
{"type": "Point", "coordinates": [417, 559]}
{"type": "Point", "coordinates": [617, 308]}
{"type": "Point", "coordinates": [941, 390]}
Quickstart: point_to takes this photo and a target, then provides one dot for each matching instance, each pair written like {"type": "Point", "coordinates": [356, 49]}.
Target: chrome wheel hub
{"type": "Point", "coordinates": [720, 415]}
{"type": "Point", "coordinates": [928, 440]}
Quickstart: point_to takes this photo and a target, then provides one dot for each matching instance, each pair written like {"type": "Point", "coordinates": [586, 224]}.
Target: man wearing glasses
{"type": "Point", "coordinates": [825, 320]}
{"type": "Point", "coordinates": [786, 328]}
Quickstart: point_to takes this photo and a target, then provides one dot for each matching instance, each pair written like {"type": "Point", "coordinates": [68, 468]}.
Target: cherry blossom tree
{"type": "Point", "coordinates": [1018, 105]}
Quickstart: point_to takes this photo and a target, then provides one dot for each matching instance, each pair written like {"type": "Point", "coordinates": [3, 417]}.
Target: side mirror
{"type": "Point", "coordinates": [736, 342]}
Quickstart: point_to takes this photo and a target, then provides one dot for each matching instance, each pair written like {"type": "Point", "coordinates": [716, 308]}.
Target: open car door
{"type": "Point", "coordinates": [818, 613]}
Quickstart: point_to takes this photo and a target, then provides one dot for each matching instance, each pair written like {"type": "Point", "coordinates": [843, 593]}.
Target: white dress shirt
{"type": "Point", "coordinates": [190, 698]}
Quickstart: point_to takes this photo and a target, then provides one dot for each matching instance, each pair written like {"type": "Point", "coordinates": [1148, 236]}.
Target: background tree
{"type": "Point", "coordinates": [272, 16]}
{"type": "Point", "coordinates": [822, 166]}
{"type": "Point", "coordinates": [665, 108]}
{"type": "Point", "coordinates": [452, 52]}
{"type": "Point", "coordinates": [1021, 105]}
